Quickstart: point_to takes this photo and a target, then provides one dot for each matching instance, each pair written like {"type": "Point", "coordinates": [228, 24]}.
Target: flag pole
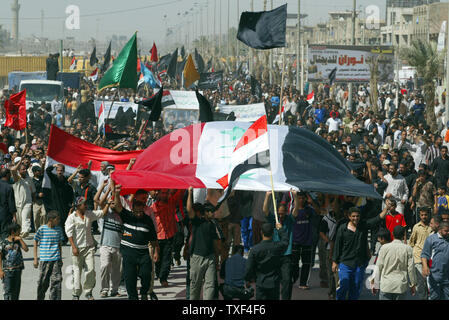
{"type": "Point", "coordinates": [282, 84]}
{"type": "Point", "coordinates": [274, 198]}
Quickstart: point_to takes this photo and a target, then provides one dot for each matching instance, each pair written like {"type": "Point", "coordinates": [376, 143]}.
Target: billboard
{"type": "Point", "coordinates": [352, 63]}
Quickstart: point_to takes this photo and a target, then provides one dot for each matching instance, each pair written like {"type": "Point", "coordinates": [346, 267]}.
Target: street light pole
{"type": "Point", "coordinates": [298, 45]}
{"type": "Point", "coordinates": [447, 70]}
{"type": "Point", "coordinates": [353, 43]}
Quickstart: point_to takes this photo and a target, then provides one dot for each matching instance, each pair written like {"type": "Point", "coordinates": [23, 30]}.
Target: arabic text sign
{"type": "Point", "coordinates": [245, 113]}
{"type": "Point", "coordinates": [115, 107]}
{"type": "Point", "coordinates": [185, 99]}
{"type": "Point", "coordinates": [210, 80]}
{"type": "Point", "coordinates": [352, 63]}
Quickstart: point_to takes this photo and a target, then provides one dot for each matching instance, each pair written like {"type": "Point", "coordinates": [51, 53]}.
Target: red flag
{"type": "Point", "coordinates": [154, 53]}
{"type": "Point", "coordinates": [138, 65]}
{"type": "Point", "coordinates": [3, 148]}
{"type": "Point", "coordinates": [16, 113]}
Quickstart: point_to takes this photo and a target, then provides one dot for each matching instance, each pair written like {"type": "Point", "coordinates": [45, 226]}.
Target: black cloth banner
{"type": "Point", "coordinates": [210, 80]}
{"type": "Point", "coordinates": [312, 164]}
{"type": "Point", "coordinates": [265, 29]}
{"type": "Point", "coordinates": [171, 71]}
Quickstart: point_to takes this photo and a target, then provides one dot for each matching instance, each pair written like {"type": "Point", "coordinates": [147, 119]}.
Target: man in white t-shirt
{"type": "Point", "coordinates": [333, 123]}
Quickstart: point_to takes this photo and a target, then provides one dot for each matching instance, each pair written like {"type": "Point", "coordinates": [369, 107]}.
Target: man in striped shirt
{"type": "Point", "coordinates": [49, 238]}
{"type": "Point", "coordinates": [433, 151]}
{"type": "Point", "coordinates": [138, 233]}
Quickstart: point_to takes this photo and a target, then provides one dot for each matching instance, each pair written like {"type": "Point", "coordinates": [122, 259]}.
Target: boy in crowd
{"type": "Point", "coordinates": [49, 238]}
{"type": "Point", "coordinates": [12, 262]}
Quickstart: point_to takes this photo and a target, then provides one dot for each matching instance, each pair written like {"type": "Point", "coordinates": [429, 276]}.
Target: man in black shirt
{"type": "Point", "coordinates": [440, 167]}
{"type": "Point", "coordinates": [61, 194]}
{"type": "Point", "coordinates": [264, 263]}
{"type": "Point", "coordinates": [38, 203]}
{"type": "Point", "coordinates": [351, 253]}
{"type": "Point", "coordinates": [138, 232]}
{"type": "Point", "coordinates": [202, 251]}
{"type": "Point", "coordinates": [7, 202]}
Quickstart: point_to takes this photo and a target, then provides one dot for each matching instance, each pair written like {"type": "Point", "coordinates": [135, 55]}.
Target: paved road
{"type": "Point", "coordinates": [176, 280]}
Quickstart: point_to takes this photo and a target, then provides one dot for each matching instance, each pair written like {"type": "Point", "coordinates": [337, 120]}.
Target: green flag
{"type": "Point", "coordinates": [123, 73]}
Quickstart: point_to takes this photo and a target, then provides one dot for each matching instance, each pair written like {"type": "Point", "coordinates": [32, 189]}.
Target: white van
{"type": "Point", "coordinates": [38, 91]}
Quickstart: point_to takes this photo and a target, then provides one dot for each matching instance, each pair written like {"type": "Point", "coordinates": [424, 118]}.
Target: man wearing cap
{"type": "Point", "coordinates": [39, 212]}
{"type": "Point", "coordinates": [78, 228]}
{"type": "Point", "coordinates": [23, 193]}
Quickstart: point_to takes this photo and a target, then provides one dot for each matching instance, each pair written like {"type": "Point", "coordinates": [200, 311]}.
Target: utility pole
{"type": "Point", "coordinates": [219, 39]}
{"type": "Point", "coordinates": [298, 44]}
{"type": "Point", "coordinates": [251, 56]}
{"type": "Point", "coordinates": [353, 43]}
{"type": "Point", "coordinates": [42, 23]}
{"type": "Point", "coordinates": [236, 40]}
{"type": "Point", "coordinates": [447, 70]}
{"type": "Point", "coordinates": [201, 26]}
{"type": "Point", "coordinates": [271, 56]}
{"type": "Point", "coordinates": [229, 40]}
{"type": "Point", "coordinates": [215, 34]}
{"type": "Point", "coordinates": [428, 22]}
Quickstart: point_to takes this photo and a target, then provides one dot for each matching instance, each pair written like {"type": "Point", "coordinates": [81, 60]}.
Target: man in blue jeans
{"type": "Point", "coordinates": [436, 249]}
{"type": "Point", "coordinates": [351, 252]}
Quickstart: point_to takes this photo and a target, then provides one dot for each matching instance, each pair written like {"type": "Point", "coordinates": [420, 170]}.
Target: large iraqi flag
{"type": "Point", "coordinates": [201, 154]}
{"type": "Point", "coordinates": [71, 151]}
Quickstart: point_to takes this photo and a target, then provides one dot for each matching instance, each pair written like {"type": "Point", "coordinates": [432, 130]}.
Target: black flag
{"type": "Point", "coordinates": [265, 29]}
{"type": "Point", "coordinates": [154, 105]}
{"type": "Point", "coordinates": [206, 114]}
{"type": "Point", "coordinates": [107, 59]}
{"type": "Point", "coordinates": [183, 52]}
{"type": "Point", "coordinates": [209, 65]}
{"type": "Point", "coordinates": [164, 62]}
{"type": "Point", "coordinates": [199, 62]}
{"type": "Point", "coordinates": [111, 135]}
{"type": "Point", "coordinates": [93, 57]}
{"type": "Point", "coordinates": [332, 75]}
{"type": "Point", "coordinates": [171, 71]}
{"type": "Point", "coordinates": [256, 89]}
{"type": "Point", "coordinates": [180, 67]}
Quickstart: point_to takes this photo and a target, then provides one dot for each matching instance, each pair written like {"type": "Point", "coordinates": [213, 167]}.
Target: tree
{"type": "Point", "coordinates": [428, 63]}
{"type": "Point", "coordinates": [373, 63]}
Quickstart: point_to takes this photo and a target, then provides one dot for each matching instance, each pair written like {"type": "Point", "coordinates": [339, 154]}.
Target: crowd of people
{"type": "Point", "coordinates": [142, 236]}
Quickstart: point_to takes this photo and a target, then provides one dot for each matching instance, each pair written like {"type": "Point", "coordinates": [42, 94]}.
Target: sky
{"type": "Point", "coordinates": [103, 18]}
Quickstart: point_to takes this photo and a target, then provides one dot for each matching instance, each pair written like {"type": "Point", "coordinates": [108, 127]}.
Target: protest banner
{"type": "Point", "coordinates": [352, 63]}
{"type": "Point", "coordinates": [115, 107]}
{"type": "Point", "coordinates": [245, 113]}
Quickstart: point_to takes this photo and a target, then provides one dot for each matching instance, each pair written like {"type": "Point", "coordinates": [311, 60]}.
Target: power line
{"type": "Point", "coordinates": [102, 13]}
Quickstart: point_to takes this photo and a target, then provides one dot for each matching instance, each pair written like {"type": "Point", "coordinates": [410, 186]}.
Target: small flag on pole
{"type": "Point", "coordinates": [73, 64]}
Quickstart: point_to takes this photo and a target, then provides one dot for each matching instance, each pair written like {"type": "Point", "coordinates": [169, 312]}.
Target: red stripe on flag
{"type": "Point", "coordinates": [72, 151]}
{"type": "Point", "coordinates": [223, 181]}
{"type": "Point", "coordinates": [257, 129]}
{"type": "Point", "coordinates": [159, 165]}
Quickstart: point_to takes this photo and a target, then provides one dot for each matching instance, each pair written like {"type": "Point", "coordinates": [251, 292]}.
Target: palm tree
{"type": "Point", "coordinates": [428, 63]}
